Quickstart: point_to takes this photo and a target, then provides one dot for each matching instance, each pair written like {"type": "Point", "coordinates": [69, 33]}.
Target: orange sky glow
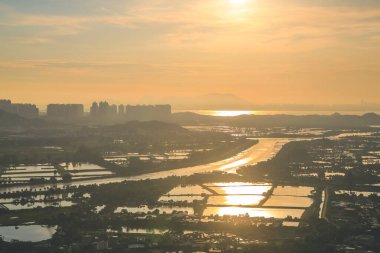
{"type": "Point", "coordinates": [266, 52]}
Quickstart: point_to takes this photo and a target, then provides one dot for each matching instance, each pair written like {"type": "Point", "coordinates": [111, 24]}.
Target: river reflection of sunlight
{"type": "Point", "coordinates": [255, 190]}
{"type": "Point", "coordinates": [244, 200]}
{"type": "Point", "coordinates": [254, 212]}
{"type": "Point", "coordinates": [232, 199]}
{"type": "Point", "coordinates": [235, 164]}
{"type": "Point", "coordinates": [239, 189]}
{"type": "Point", "coordinates": [233, 184]}
{"type": "Point", "coordinates": [221, 211]}
{"type": "Point", "coordinates": [242, 211]}
{"type": "Point", "coordinates": [238, 194]}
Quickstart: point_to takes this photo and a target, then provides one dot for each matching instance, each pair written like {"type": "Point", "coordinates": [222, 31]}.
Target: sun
{"type": "Point", "coordinates": [238, 2]}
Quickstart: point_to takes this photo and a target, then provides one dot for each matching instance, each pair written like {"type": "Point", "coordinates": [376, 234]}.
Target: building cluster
{"type": "Point", "coordinates": [23, 110]}
{"type": "Point", "coordinates": [65, 111]}
{"type": "Point", "coordinates": [103, 110]}
{"type": "Point", "coordinates": [99, 111]}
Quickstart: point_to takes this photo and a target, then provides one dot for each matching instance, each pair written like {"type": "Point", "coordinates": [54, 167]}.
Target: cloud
{"type": "Point", "coordinates": [198, 38]}
{"type": "Point", "coordinates": [97, 68]}
{"type": "Point", "coordinates": [203, 23]}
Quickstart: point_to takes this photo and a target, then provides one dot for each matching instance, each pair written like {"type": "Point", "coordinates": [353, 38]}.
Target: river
{"type": "Point", "coordinates": [265, 149]}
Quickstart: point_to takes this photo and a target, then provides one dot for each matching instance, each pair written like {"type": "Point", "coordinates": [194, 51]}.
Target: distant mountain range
{"type": "Point", "coordinates": [147, 128]}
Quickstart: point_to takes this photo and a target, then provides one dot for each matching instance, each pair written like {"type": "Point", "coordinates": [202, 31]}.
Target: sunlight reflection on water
{"type": "Point", "coordinates": [254, 212]}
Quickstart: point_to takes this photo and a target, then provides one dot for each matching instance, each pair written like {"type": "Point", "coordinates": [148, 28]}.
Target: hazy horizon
{"type": "Point", "coordinates": [221, 102]}
{"type": "Point", "coordinates": [230, 105]}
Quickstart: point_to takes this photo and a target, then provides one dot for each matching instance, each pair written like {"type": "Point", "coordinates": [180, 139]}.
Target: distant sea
{"type": "Point", "coordinates": [231, 113]}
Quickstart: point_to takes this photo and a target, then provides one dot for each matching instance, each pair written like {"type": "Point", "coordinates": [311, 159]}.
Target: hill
{"type": "Point", "coordinates": [146, 127]}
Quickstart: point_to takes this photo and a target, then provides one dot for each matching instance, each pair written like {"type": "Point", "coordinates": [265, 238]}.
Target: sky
{"type": "Point", "coordinates": [263, 51]}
